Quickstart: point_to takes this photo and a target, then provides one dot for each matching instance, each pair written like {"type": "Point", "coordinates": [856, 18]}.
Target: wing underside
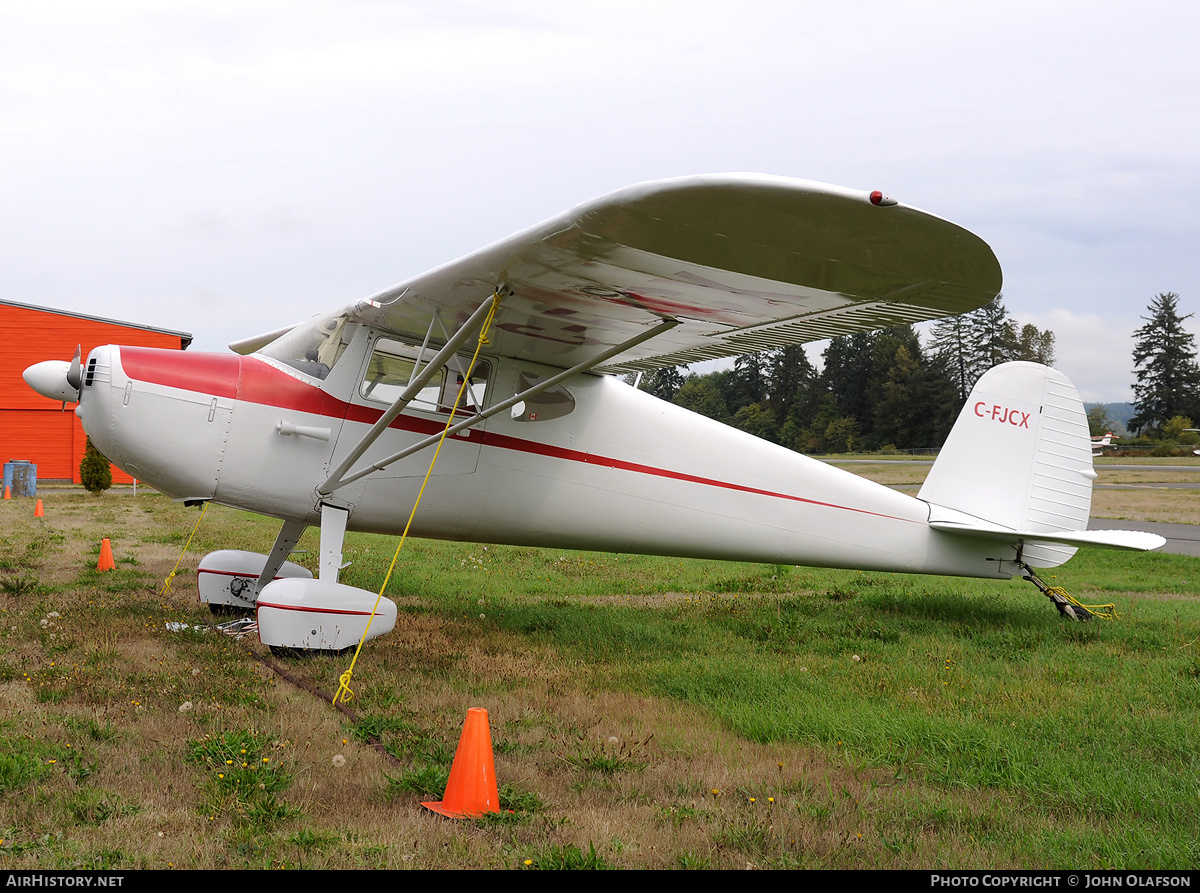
{"type": "Point", "coordinates": [744, 262]}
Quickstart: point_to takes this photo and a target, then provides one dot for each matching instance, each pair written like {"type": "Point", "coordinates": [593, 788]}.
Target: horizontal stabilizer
{"type": "Point", "coordinates": [1131, 540]}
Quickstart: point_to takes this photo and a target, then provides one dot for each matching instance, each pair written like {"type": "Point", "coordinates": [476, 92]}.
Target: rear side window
{"type": "Point", "coordinates": [552, 403]}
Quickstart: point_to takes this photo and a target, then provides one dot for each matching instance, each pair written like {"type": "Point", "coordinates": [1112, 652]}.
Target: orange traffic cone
{"type": "Point", "coordinates": [7, 492]}
{"type": "Point", "coordinates": [106, 562]}
{"type": "Point", "coordinates": [38, 511]}
{"type": "Point", "coordinates": [471, 790]}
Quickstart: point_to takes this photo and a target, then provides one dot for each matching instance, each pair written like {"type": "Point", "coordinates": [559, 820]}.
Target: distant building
{"type": "Point", "coordinates": [33, 428]}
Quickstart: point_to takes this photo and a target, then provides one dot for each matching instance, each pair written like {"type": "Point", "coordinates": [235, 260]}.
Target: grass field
{"type": "Point", "coordinates": [645, 712]}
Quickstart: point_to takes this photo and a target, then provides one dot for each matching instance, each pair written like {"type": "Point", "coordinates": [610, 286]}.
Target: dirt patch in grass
{"type": "Point", "coordinates": [1169, 506]}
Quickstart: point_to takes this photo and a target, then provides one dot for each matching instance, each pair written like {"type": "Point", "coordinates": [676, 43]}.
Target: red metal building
{"type": "Point", "coordinates": [33, 428]}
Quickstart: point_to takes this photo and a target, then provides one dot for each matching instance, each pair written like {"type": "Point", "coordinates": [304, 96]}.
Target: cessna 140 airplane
{"type": "Point", "coordinates": [332, 422]}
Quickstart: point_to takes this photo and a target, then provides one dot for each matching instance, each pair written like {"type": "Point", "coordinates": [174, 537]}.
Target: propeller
{"type": "Point", "coordinates": [74, 372]}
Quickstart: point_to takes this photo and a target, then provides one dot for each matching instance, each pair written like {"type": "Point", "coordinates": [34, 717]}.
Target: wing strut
{"type": "Point", "coordinates": [331, 485]}
{"type": "Point", "coordinates": [334, 481]}
{"type": "Point", "coordinates": [289, 535]}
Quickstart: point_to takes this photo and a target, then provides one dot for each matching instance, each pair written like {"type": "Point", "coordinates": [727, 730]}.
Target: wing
{"type": "Point", "coordinates": [744, 262]}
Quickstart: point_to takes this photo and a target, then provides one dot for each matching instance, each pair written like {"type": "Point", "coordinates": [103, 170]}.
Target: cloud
{"type": "Point", "coordinates": [1094, 350]}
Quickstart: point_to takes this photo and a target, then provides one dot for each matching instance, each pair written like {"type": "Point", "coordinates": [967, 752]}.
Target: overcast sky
{"type": "Point", "coordinates": [228, 168]}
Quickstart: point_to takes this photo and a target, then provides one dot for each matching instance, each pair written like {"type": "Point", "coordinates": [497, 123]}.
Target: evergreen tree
{"type": "Point", "coordinates": [1164, 359]}
{"type": "Point", "coordinates": [990, 339]}
{"type": "Point", "coordinates": [663, 383]}
{"type": "Point", "coordinates": [748, 383]}
{"type": "Point", "coordinates": [849, 373]}
{"type": "Point", "coordinates": [913, 401]}
{"type": "Point", "coordinates": [95, 472]}
{"type": "Point", "coordinates": [971, 344]}
{"type": "Point", "coordinates": [793, 386]}
{"type": "Point", "coordinates": [950, 345]}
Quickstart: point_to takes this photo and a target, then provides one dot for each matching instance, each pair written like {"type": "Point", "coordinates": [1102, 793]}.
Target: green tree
{"type": "Point", "coordinates": [971, 344]}
{"type": "Point", "coordinates": [749, 381]}
{"type": "Point", "coordinates": [792, 382]}
{"type": "Point", "coordinates": [1164, 360]}
{"type": "Point", "coordinates": [662, 383]}
{"type": "Point", "coordinates": [758, 420]}
{"type": "Point", "coordinates": [1033, 345]}
{"type": "Point", "coordinates": [1180, 429]}
{"type": "Point", "coordinates": [1099, 423]}
{"type": "Point", "coordinates": [850, 363]}
{"type": "Point", "coordinates": [991, 336]}
{"type": "Point", "coordinates": [701, 394]}
{"type": "Point", "coordinates": [950, 345]}
{"type": "Point", "coordinates": [95, 472]}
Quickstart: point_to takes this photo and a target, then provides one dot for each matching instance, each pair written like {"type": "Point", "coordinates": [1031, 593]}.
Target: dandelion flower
{"type": "Point", "coordinates": [185, 706]}
{"type": "Point", "coordinates": [338, 760]}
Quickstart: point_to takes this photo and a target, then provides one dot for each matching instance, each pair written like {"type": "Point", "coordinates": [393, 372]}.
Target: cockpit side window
{"type": "Point", "coordinates": [393, 365]}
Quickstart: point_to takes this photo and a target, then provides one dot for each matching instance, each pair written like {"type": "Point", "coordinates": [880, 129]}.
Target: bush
{"type": "Point", "coordinates": [95, 472]}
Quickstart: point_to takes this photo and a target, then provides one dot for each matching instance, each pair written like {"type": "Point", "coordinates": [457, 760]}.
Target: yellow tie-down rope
{"type": "Point", "coordinates": [1104, 612]}
{"type": "Point", "coordinates": [166, 587]}
{"type": "Point", "coordinates": [344, 693]}
{"type": "Point", "coordinates": [1067, 604]}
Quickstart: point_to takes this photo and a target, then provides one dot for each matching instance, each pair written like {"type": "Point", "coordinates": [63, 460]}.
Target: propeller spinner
{"type": "Point", "coordinates": [57, 379]}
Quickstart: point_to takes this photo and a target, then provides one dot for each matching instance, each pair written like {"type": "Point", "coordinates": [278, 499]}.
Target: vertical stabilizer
{"type": "Point", "coordinates": [1020, 457]}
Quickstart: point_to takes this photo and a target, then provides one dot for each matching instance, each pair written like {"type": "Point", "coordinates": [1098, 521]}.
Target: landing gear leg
{"type": "Point", "coordinates": [333, 531]}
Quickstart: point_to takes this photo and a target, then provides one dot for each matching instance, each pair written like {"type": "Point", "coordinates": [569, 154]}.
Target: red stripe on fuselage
{"type": "Point", "coordinates": [252, 380]}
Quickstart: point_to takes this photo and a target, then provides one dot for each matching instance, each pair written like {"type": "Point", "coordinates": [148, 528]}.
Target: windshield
{"type": "Point", "coordinates": [315, 346]}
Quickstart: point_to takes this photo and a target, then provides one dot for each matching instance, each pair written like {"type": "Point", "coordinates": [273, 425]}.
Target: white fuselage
{"type": "Point", "coordinates": [623, 471]}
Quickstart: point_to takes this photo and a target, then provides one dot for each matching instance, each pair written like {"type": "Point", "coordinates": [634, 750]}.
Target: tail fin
{"type": "Point", "coordinates": [1018, 467]}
